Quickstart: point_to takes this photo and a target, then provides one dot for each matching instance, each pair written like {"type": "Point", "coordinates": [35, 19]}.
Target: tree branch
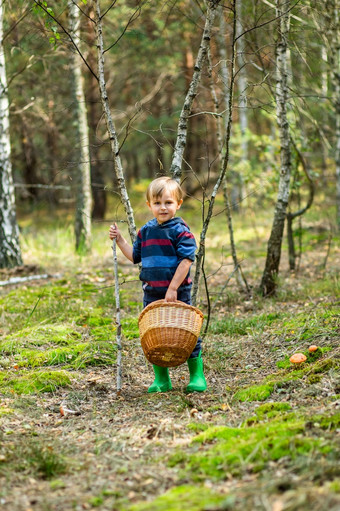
{"type": "Point", "coordinates": [68, 35]}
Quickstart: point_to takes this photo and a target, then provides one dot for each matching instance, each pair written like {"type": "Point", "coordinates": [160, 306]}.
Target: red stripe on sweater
{"type": "Point", "coordinates": [166, 283]}
{"type": "Point", "coordinates": [185, 234]}
{"type": "Point", "coordinates": [147, 243]}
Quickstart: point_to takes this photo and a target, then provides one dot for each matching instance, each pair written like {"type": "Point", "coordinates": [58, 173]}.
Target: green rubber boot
{"type": "Point", "coordinates": [197, 379]}
{"type": "Point", "coordinates": [162, 381]}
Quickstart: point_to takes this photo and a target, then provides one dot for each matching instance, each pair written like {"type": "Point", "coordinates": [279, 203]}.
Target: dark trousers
{"type": "Point", "coordinates": [182, 296]}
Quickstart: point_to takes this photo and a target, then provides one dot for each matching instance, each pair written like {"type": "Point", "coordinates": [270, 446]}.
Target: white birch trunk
{"type": "Point", "coordinates": [268, 282]}
{"type": "Point", "coordinates": [83, 167]}
{"type": "Point", "coordinates": [118, 322]}
{"type": "Point", "coordinates": [111, 127]}
{"type": "Point", "coordinates": [10, 253]}
{"type": "Point", "coordinates": [224, 73]}
{"type": "Point", "coordinates": [182, 129]}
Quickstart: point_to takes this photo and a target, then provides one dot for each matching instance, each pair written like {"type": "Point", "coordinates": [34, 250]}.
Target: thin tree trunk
{"type": "Point", "coordinates": [10, 253]}
{"type": "Point", "coordinates": [111, 127]}
{"type": "Point", "coordinates": [269, 278]}
{"type": "Point", "coordinates": [301, 211]}
{"type": "Point", "coordinates": [182, 129]}
{"type": "Point", "coordinates": [94, 114]}
{"type": "Point", "coordinates": [240, 279]}
{"type": "Point", "coordinates": [201, 250]}
{"type": "Point", "coordinates": [118, 322]}
{"type": "Point", "coordinates": [83, 168]}
{"type": "Point", "coordinates": [221, 44]}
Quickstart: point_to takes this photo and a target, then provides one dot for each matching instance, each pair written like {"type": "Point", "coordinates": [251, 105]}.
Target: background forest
{"type": "Point", "coordinates": [239, 101]}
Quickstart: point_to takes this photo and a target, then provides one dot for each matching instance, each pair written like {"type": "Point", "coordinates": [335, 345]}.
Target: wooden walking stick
{"type": "Point", "coordinates": [118, 323]}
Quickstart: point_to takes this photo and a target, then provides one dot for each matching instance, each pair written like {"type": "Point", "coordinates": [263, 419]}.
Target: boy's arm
{"type": "Point", "coordinates": [177, 279]}
{"type": "Point", "coordinates": [124, 246]}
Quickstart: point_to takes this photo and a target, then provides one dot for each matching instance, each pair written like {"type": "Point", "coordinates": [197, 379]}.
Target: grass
{"type": "Point", "coordinates": [252, 447]}
{"type": "Point", "coordinates": [195, 498]}
{"type": "Point", "coordinates": [34, 457]}
{"type": "Point", "coordinates": [254, 393]}
{"type": "Point", "coordinates": [311, 369]}
{"type": "Point", "coordinates": [244, 326]}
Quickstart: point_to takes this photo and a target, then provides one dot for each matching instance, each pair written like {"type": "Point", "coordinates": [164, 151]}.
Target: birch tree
{"type": "Point", "coordinates": [114, 142]}
{"type": "Point", "coordinates": [182, 129]}
{"type": "Point", "coordinates": [10, 252]}
{"type": "Point", "coordinates": [83, 166]}
{"type": "Point", "coordinates": [268, 283]}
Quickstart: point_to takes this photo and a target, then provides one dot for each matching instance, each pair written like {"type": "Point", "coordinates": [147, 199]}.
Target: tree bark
{"type": "Point", "coordinates": [182, 129]}
{"type": "Point", "coordinates": [83, 168]}
{"type": "Point", "coordinates": [111, 127]}
{"type": "Point", "coordinates": [10, 252]}
{"type": "Point", "coordinates": [269, 278]}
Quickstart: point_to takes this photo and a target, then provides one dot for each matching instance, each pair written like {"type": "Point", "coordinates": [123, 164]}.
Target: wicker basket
{"type": "Point", "coordinates": [169, 332]}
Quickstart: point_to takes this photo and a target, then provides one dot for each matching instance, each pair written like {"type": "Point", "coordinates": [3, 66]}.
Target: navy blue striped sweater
{"type": "Point", "coordinates": [160, 248]}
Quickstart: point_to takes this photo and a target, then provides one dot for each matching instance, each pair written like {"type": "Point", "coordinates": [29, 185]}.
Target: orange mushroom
{"type": "Point", "coordinates": [298, 358]}
{"type": "Point", "coordinates": [313, 348]}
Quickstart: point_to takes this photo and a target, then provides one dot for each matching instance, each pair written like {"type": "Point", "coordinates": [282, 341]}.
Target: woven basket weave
{"type": "Point", "coordinates": [169, 332]}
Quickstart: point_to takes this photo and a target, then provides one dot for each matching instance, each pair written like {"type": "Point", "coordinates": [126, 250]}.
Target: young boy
{"type": "Point", "coordinates": [166, 248]}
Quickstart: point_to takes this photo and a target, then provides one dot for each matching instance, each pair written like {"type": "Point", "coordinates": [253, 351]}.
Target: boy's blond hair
{"type": "Point", "coordinates": [157, 187]}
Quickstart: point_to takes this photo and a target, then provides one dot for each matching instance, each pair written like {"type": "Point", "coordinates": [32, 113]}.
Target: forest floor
{"type": "Point", "coordinates": [264, 436]}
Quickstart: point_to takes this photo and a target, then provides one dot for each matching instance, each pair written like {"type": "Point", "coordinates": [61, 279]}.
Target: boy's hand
{"type": "Point", "coordinates": [171, 295]}
{"type": "Point", "coordinates": [114, 233]}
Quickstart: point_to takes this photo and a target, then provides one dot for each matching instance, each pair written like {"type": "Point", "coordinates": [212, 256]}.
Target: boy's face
{"type": "Point", "coordinates": [164, 207]}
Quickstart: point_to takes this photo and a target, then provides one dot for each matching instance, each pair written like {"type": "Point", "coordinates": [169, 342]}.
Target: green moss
{"type": "Point", "coordinates": [193, 498]}
{"type": "Point", "coordinates": [29, 382]}
{"type": "Point", "coordinates": [314, 378]}
{"type": "Point", "coordinates": [236, 450]}
{"type": "Point", "coordinates": [197, 426]}
{"type": "Point", "coordinates": [268, 408]}
{"type": "Point", "coordinates": [61, 335]}
{"type": "Point", "coordinates": [326, 422]}
{"type": "Point", "coordinates": [323, 366]}
{"type": "Point", "coordinates": [334, 486]}
{"type": "Point", "coordinates": [311, 357]}
{"type": "Point", "coordinates": [267, 411]}
{"type": "Point", "coordinates": [96, 501]}
{"type": "Point", "coordinates": [254, 393]}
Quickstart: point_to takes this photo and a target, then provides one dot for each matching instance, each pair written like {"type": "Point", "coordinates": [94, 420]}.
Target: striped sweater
{"type": "Point", "coordinates": [160, 248]}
